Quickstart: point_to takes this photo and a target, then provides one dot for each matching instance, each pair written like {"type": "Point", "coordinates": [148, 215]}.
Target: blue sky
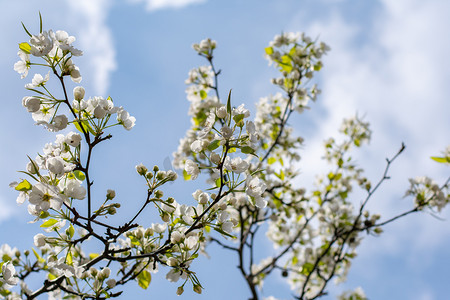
{"type": "Point", "coordinates": [389, 62]}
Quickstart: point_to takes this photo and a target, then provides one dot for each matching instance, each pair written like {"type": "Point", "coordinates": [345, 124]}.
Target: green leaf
{"type": "Point", "coordinates": [271, 160]}
{"type": "Point", "coordinates": [218, 182]}
{"type": "Point", "coordinates": [144, 279]}
{"type": "Point", "coordinates": [38, 257]}
{"type": "Point", "coordinates": [49, 223]}
{"type": "Point", "coordinates": [214, 145]}
{"type": "Point", "coordinates": [269, 50]}
{"type": "Point", "coordinates": [203, 94]}
{"type": "Point", "coordinates": [219, 230]}
{"type": "Point", "coordinates": [85, 125]}
{"type": "Point", "coordinates": [70, 231]}
{"type": "Point", "coordinates": [93, 255]}
{"type": "Point", "coordinates": [26, 30]}
{"type": "Point", "coordinates": [307, 268]}
{"type": "Point", "coordinates": [186, 176]}
{"type": "Point", "coordinates": [69, 259]}
{"type": "Point", "coordinates": [23, 186]}
{"type": "Point", "coordinates": [79, 175]}
{"type": "Point", "coordinates": [441, 160]}
{"type": "Point", "coordinates": [248, 150]}
{"type": "Point", "coordinates": [238, 118]}
{"type": "Point", "coordinates": [40, 23]}
{"type": "Point", "coordinates": [25, 47]}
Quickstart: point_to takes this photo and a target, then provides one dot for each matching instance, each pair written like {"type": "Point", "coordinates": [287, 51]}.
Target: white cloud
{"type": "Point", "coordinates": [153, 5]}
{"type": "Point", "coordinates": [96, 40]}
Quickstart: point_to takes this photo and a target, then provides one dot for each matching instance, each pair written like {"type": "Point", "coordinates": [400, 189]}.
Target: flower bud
{"type": "Point", "coordinates": [215, 158]}
{"type": "Point", "coordinates": [159, 194]}
{"type": "Point", "coordinates": [165, 217]}
{"type": "Point", "coordinates": [161, 175]}
{"type": "Point", "coordinates": [111, 283]}
{"type": "Point", "coordinates": [78, 93]}
{"type": "Point", "coordinates": [180, 290]}
{"type": "Point", "coordinates": [221, 112]}
{"type": "Point", "coordinates": [110, 194]}
{"type": "Point", "coordinates": [141, 169]}
{"type": "Point", "coordinates": [197, 288]}
{"type": "Point", "coordinates": [148, 232]}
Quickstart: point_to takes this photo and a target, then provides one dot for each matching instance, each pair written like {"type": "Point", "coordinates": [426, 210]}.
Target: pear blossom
{"type": "Point", "coordinates": [208, 125]}
{"type": "Point", "coordinates": [124, 118]}
{"type": "Point", "coordinates": [23, 65]}
{"type": "Point", "coordinates": [241, 110]}
{"type": "Point", "coordinates": [9, 272]}
{"type": "Point", "coordinates": [74, 189]}
{"type": "Point", "coordinates": [38, 80]}
{"type": "Point", "coordinates": [39, 240]}
{"type": "Point", "coordinates": [45, 196]}
{"type": "Point", "coordinates": [32, 104]}
{"type": "Point", "coordinates": [236, 165]}
{"type": "Point", "coordinates": [40, 44]}
{"type": "Point", "coordinates": [192, 169]}
{"type": "Point", "coordinates": [73, 139]}
{"type": "Point", "coordinates": [64, 41]}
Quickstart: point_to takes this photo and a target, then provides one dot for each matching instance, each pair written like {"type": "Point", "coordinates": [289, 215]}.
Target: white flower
{"type": "Point", "coordinates": [59, 123]}
{"type": "Point", "coordinates": [74, 189]}
{"type": "Point", "coordinates": [124, 118]}
{"type": "Point", "coordinates": [227, 227]}
{"type": "Point", "coordinates": [236, 165]}
{"type": "Point", "coordinates": [159, 228]}
{"type": "Point", "coordinates": [241, 110]}
{"type": "Point", "coordinates": [174, 275]}
{"type": "Point", "coordinates": [255, 187]}
{"type": "Point", "coordinates": [32, 104]}
{"type": "Point", "coordinates": [209, 123]}
{"type": "Point", "coordinates": [73, 139]}
{"type": "Point", "coordinates": [177, 237]}
{"type": "Point", "coordinates": [38, 80]}
{"type": "Point", "coordinates": [23, 64]}
{"type": "Point", "coordinates": [192, 169]}
{"type": "Point", "coordinates": [55, 165]}
{"type": "Point", "coordinates": [45, 196]}
{"type": "Point", "coordinates": [40, 44]}
{"type": "Point", "coordinates": [196, 146]}
{"type": "Point", "coordinates": [64, 41]}
{"type": "Point", "coordinates": [227, 132]}
{"type": "Point", "coordinates": [39, 240]}
{"type": "Point", "coordinates": [8, 272]}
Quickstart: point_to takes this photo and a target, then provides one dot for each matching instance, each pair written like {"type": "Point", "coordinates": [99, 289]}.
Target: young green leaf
{"type": "Point", "coordinates": [144, 279]}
